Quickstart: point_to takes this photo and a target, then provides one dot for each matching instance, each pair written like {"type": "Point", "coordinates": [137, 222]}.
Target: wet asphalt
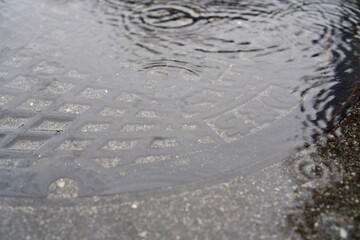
{"type": "Point", "coordinates": [313, 195]}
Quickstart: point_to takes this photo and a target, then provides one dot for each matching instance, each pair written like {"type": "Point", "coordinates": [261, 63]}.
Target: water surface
{"type": "Point", "coordinates": [135, 95]}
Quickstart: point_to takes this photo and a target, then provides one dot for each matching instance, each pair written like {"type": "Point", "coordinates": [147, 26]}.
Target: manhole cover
{"type": "Point", "coordinates": [117, 96]}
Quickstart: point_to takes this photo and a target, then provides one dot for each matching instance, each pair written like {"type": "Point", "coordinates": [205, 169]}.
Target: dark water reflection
{"type": "Point", "coordinates": [226, 27]}
{"type": "Point", "coordinates": [330, 103]}
{"type": "Point", "coordinates": [321, 38]}
{"type": "Point", "coordinates": [133, 95]}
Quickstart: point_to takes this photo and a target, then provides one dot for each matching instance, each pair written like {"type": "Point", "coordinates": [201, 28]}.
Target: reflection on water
{"type": "Point", "coordinates": [330, 103]}
{"type": "Point", "coordinates": [226, 26]}
{"type": "Point", "coordinates": [132, 95]}
{"type": "Point", "coordinates": [321, 39]}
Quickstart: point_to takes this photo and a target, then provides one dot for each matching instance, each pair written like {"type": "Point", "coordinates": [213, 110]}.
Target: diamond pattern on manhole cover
{"type": "Point", "coordinates": [12, 122]}
{"type": "Point", "coordinates": [51, 124]}
{"type": "Point", "coordinates": [34, 105]}
{"type": "Point", "coordinates": [4, 98]}
{"type": "Point", "coordinates": [73, 108]}
{"type": "Point", "coordinates": [23, 82]}
{"type": "Point", "coordinates": [135, 102]}
{"type": "Point", "coordinates": [26, 143]}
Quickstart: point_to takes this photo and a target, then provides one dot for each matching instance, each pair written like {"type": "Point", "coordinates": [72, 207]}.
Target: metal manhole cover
{"type": "Point", "coordinates": [123, 96]}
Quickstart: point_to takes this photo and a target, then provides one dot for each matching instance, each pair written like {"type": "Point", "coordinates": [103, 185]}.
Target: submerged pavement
{"type": "Point", "coordinates": [313, 195]}
{"type": "Point", "coordinates": [105, 102]}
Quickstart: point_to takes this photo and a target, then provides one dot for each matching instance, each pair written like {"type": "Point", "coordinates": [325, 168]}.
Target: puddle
{"type": "Point", "coordinates": [124, 96]}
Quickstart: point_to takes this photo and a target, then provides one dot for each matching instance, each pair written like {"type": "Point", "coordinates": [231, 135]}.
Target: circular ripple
{"type": "Point", "coordinates": [169, 79]}
{"type": "Point", "coordinates": [168, 17]}
{"type": "Point", "coordinates": [123, 96]}
{"type": "Point", "coordinates": [231, 27]}
{"type": "Point", "coordinates": [314, 171]}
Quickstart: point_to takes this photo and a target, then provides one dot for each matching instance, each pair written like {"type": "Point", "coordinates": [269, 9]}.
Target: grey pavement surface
{"type": "Point", "coordinates": [97, 94]}
{"type": "Point", "coordinates": [313, 195]}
